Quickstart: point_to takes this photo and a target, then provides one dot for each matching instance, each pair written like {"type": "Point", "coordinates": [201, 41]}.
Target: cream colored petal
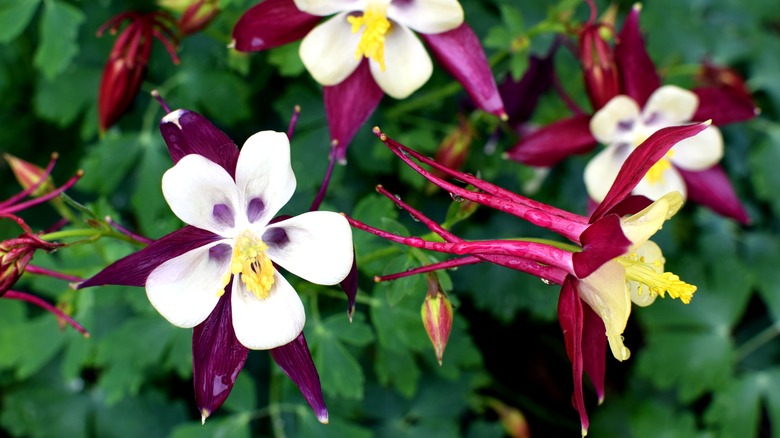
{"type": "Point", "coordinates": [407, 65]}
{"type": "Point", "coordinates": [601, 171]}
{"type": "Point", "coordinates": [605, 292]}
{"type": "Point", "coordinates": [650, 253]}
{"type": "Point", "coordinates": [329, 7]}
{"type": "Point", "coordinates": [262, 324]}
{"type": "Point", "coordinates": [671, 104]}
{"type": "Point", "coordinates": [670, 181]}
{"type": "Point", "coordinates": [427, 16]}
{"type": "Point", "coordinates": [699, 152]}
{"type": "Point", "coordinates": [638, 228]}
{"type": "Point", "coordinates": [328, 51]}
{"type": "Point", "coordinates": [605, 123]}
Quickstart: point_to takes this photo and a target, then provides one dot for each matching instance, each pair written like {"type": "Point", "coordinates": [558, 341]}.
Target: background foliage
{"type": "Point", "coordinates": [708, 369]}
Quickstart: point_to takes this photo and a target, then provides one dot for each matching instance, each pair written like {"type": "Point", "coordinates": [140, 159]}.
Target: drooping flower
{"type": "Point", "coordinates": [218, 274]}
{"type": "Point", "coordinates": [126, 66]}
{"type": "Point", "coordinates": [369, 48]}
{"type": "Point", "coordinates": [630, 103]}
{"type": "Point", "coordinates": [610, 263]}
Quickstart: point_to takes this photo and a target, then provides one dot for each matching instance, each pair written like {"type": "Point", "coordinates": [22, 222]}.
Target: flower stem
{"type": "Point", "coordinates": [757, 341]}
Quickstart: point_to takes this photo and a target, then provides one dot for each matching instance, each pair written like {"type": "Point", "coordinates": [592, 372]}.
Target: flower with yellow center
{"type": "Point", "coordinates": [622, 126]}
{"type": "Point", "coordinates": [239, 259]}
{"type": "Point", "coordinates": [380, 31]}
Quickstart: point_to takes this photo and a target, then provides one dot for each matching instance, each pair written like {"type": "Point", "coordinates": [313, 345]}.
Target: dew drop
{"type": "Point", "coordinates": [456, 198]}
{"type": "Point", "coordinates": [546, 281]}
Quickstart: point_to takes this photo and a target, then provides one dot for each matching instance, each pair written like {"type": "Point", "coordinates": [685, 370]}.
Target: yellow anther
{"type": "Point", "coordinates": [650, 278]}
{"type": "Point", "coordinates": [250, 262]}
{"type": "Point", "coordinates": [375, 26]}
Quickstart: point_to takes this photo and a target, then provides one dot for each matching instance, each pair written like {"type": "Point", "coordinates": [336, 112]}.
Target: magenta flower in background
{"type": "Point", "coordinates": [630, 103]}
{"type": "Point", "coordinates": [218, 274]}
{"type": "Point", "coordinates": [369, 48]}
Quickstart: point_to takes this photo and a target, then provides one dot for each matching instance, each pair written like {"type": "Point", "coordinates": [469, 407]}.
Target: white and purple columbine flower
{"type": "Point", "coordinates": [369, 48]}
{"type": "Point", "coordinates": [218, 274]}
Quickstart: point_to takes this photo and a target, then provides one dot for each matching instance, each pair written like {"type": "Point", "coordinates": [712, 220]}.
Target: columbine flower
{"type": "Point", "coordinates": [627, 114]}
{"type": "Point", "coordinates": [126, 66]}
{"type": "Point", "coordinates": [369, 48]}
{"type": "Point", "coordinates": [218, 274]}
{"type": "Point", "coordinates": [611, 262]}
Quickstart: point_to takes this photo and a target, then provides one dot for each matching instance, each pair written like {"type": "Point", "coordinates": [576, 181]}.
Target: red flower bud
{"type": "Point", "coordinates": [197, 16]}
{"type": "Point", "coordinates": [512, 419]}
{"type": "Point", "coordinates": [16, 253]}
{"type": "Point", "coordinates": [437, 316]}
{"type": "Point", "coordinates": [718, 76]}
{"type": "Point", "coordinates": [29, 175]}
{"type": "Point", "coordinates": [598, 65]}
{"type": "Point", "coordinates": [454, 149]}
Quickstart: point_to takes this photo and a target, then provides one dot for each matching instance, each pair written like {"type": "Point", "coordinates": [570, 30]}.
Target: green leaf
{"type": "Point", "coordinates": [15, 15]}
{"type": "Point", "coordinates": [29, 346]}
{"type": "Point", "coordinates": [336, 427]}
{"type": "Point", "coordinates": [234, 426]}
{"type": "Point", "coordinates": [108, 162]}
{"type": "Point", "coordinates": [735, 409]}
{"type": "Point", "coordinates": [397, 290]}
{"type": "Point", "coordinates": [243, 396]}
{"type": "Point", "coordinates": [59, 31]}
{"type": "Point", "coordinates": [397, 368]}
{"type": "Point", "coordinates": [763, 252]}
{"type": "Point", "coordinates": [400, 327]}
{"type": "Point", "coordinates": [764, 161]}
{"type": "Point", "coordinates": [63, 99]}
{"type": "Point", "coordinates": [286, 59]}
{"type": "Point", "coordinates": [340, 373]}
{"type": "Point", "coordinates": [357, 332]}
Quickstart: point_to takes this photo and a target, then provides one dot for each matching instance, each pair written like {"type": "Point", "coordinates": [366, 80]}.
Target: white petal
{"type": "Point", "coordinates": [328, 7]}
{"type": "Point", "coordinates": [605, 292]}
{"type": "Point", "coordinates": [699, 152]}
{"type": "Point", "coordinates": [408, 66]}
{"type": "Point", "coordinates": [602, 169]}
{"type": "Point", "coordinates": [264, 173]}
{"type": "Point", "coordinates": [194, 187]}
{"type": "Point", "coordinates": [328, 51]}
{"type": "Point", "coordinates": [670, 181]}
{"type": "Point", "coordinates": [671, 104]}
{"type": "Point", "coordinates": [317, 248]}
{"type": "Point", "coordinates": [427, 16]}
{"type": "Point", "coordinates": [185, 289]}
{"type": "Point", "coordinates": [262, 324]}
{"type": "Point", "coordinates": [604, 124]}
{"type": "Point", "coordinates": [638, 228]}
{"type": "Point", "coordinates": [649, 252]}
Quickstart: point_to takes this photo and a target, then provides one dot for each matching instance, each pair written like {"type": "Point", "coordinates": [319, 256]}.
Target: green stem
{"type": "Point", "coordinates": [274, 407]}
{"type": "Point", "coordinates": [757, 341]}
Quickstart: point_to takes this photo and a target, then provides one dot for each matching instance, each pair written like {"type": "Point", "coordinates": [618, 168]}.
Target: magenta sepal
{"type": "Point", "coordinates": [272, 23]}
{"type": "Point", "coordinates": [295, 360]}
{"type": "Point", "coordinates": [641, 160]}
{"type": "Point", "coordinates": [134, 269]}
{"type": "Point", "coordinates": [460, 53]}
{"type": "Point", "coordinates": [350, 286]}
{"type": "Point", "coordinates": [594, 349]}
{"type": "Point", "coordinates": [550, 144]}
{"type": "Point", "coordinates": [217, 356]}
{"type": "Point", "coordinates": [637, 72]}
{"type": "Point", "coordinates": [601, 242]}
{"type": "Point", "coordinates": [723, 105]}
{"type": "Point", "coordinates": [570, 317]}
{"type": "Point", "coordinates": [711, 187]}
{"type": "Point", "coordinates": [349, 104]}
{"type": "Point", "coordinates": [521, 97]}
{"type": "Point", "coordinates": [187, 132]}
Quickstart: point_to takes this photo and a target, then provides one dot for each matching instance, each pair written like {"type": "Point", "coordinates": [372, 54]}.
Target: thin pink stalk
{"type": "Point", "coordinates": [293, 121]}
{"type": "Point", "coordinates": [570, 103]}
{"type": "Point", "coordinates": [161, 101]}
{"type": "Point", "coordinates": [159, 34]}
{"type": "Point", "coordinates": [26, 192]}
{"type": "Point", "coordinates": [127, 232]}
{"type": "Point", "coordinates": [315, 205]}
{"type": "Point", "coordinates": [447, 264]}
{"type": "Point", "coordinates": [37, 270]}
{"type": "Point", "coordinates": [32, 299]}
{"type": "Point", "coordinates": [51, 195]}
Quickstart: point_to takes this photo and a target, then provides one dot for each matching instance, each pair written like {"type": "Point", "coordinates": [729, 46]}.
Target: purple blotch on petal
{"type": "Point", "coordinates": [224, 215]}
{"type": "Point", "coordinates": [275, 236]}
{"type": "Point", "coordinates": [255, 209]}
{"type": "Point", "coordinates": [626, 125]}
{"type": "Point", "coordinates": [221, 252]}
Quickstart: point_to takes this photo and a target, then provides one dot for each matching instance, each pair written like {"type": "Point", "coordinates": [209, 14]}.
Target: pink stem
{"type": "Point", "coordinates": [127, 232]}
{"type": "Point", "coordinates": [51, 195]}
{"type": "Point", "coordinates": [24, 193]}
{"type": "Point", "coordinates": [37, 270]}
{"type": "Point", "coordinates": [161, 101]}
{"type": "Point", "coordinates": [447, 264]}
{"type": "Point", "coordinates": [293, 121]}
{"type": "Point", "coordinates": [32, 299]}
{"type": "Point", "coordinates": [325, 182]}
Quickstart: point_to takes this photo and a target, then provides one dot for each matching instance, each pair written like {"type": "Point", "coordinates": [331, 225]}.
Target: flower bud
{"type": "Point", "coordinates": [598, 65]}
{"type": "Point", "coordinates": [197, 16]}
{"type": "Point", "coordinates": [512, 419]}
{"type": "Point", "coordinates": [437, 316]}
{"type": "Point", "coordinates": [28, 175]}
{"type": "Point", "coordinates": [15, 254]}
{"type": "Point", "coordinates": [454, 149]}
{"type": "Point", "coordinates": [720, 76]}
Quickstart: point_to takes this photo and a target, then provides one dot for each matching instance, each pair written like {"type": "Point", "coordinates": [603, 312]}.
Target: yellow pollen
{"type": "Point", "coordinates": [375, 26]}
{"type": "Point", "coordinates": [249, 260]}
{"type": "Point", "coordinates": [649, 279]}
{"type": "Point", "coordinates": [656, 173]}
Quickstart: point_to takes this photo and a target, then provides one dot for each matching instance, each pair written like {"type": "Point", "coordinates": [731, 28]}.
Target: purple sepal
{"type": "Point", "coordinates": [521, 97]}
{"type": "Point", "coordinates": [637, 72]}
{"type": "Point", "coordinates": [640, 161]}
{"type": "Point", "coordinates": [570, 317]}
{"type": "Point", "coordinates": [601, 242]}
{"type": "Point", "coordinates": [350, 286]}
{"type": "Point", "coordinates": [594, 349]}
{"type": "Point", "coordinates": [134, 269]}
{"type": "Point", "coordinates": [723, 105]}
{"type": "Point", "coordinates": [552, 143]}
{"type": "Point", "coordinates": [349, 104]}
{"type": "Point", "coordinates": [460, 53]}
{"type": "Point", "coordinates": [270, 24]}
{"type": "Point", "coordinates": [295, 360]}
{"type": "Point", "coordinates": [217, 357]}
{"type": "Point", "coordinates": [187, 132]}
{"type": "Point", "coordinates": [631, 205]}
{"type": "Point", "coordinates": [712, 188]}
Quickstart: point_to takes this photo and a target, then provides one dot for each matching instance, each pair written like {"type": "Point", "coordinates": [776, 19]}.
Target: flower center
{"type": "Point", "coordinates": [650, 277]}
{"type": "Point", "coordinates": [375, 26]}
{"type": "Point", "coordinates": [249, 260]}
{"type": "Point", "coordinates": [656, 173]}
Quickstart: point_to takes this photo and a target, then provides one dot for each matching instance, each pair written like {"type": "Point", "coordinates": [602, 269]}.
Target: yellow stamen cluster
{"type": "Point", "coordinates": [650, 277]}
{"type": "Point", "coordinates": [375, 26]}
{"type": "Point", "coordinates": [250, 261]}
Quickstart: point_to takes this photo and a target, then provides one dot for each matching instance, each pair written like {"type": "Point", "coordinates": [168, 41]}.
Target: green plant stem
{"type": "Point", "coordinates": [757, 341]}
{"type": "Point", "coordinates": [274, 410]}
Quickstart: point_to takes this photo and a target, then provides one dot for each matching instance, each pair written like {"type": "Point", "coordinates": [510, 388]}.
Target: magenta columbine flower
{"type": "Point", "coordinates": [219, 274]}
{"type": "Point", "coordinates": [369, 48]}
{"type": "Point", "coordinates": [630, 104]}
{"type": "Point", "coordinates": [610, 263]}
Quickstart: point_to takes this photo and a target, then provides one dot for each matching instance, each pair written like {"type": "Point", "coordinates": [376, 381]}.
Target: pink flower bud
{"type": "Point", "coordinates": [15, 255]}
{"type": "Point", "coordinates": [512, 419]}
{"type": "Point", "coordinates": [28, 175]}
{"type": "Point", "coordinates": [598, 65]}
{"type": "Point", "coordinates": [437, 316]}
{"type": "Point", "coordinates": [197, 16]}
